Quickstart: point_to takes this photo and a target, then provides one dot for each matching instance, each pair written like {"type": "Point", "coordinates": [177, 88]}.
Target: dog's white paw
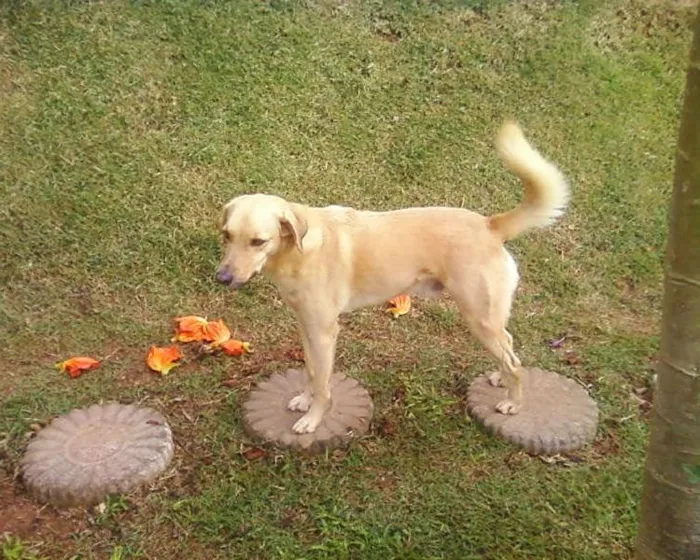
{"type": "Point", "coordinates": [508, 407]}
{"type": "Point", "coordinates": [308, 423]}
{"type": "Point", "coordinates": [301, 402]}
{"type": "Point", "coordinates": [495, 379]}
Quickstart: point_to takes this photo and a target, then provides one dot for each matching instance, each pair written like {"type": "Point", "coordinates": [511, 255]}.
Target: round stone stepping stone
{"type": "Point", "coordinates": [267, 417]}
{"type": "Point", "coordinates": [89, 453]}
{"type": "Point", "coordinates": [557, 415]}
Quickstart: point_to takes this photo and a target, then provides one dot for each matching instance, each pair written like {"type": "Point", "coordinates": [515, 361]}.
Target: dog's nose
{"type": "Point", "coordinates": [224, 276]}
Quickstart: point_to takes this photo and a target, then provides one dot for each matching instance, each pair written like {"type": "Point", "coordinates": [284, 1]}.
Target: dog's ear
{"type": "Point", "coordinates": [226, 212]}
{"type": "Point", "coordinates": [294, 223]}
{"type": "Point", "coordinates": [228, 208]}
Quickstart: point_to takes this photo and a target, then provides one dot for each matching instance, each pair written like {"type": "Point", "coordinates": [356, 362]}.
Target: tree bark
{"type": "Point", "coordinates": [669, 525]}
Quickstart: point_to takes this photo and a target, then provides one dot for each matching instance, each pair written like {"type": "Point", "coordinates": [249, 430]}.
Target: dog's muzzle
{"type": "Point", "coordinates": [225, 277]}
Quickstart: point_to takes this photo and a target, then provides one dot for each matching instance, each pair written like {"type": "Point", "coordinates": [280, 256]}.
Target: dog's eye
{"type": "Point", "coordinates": [257, 242]}
{"type": "Point", "coordinates": [227, 236]}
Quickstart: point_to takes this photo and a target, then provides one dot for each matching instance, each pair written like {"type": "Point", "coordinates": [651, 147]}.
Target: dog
{"type": "Point", "coordinates": [332, 260]}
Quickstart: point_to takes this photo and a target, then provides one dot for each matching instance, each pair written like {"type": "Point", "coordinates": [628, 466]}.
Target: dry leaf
{"type": "Point", "coordinates": [399, 395]}
{"type": "Point", "coordinates": [190, 329]}
{"type": "Point", "coordinates": [232, 382]}
{"type": "Point", "coordinates": [243, 383]}
{"type": "Point", "coordinates": [400, 305]}
{"type": "Point", "coordinates": [387, 428]}
{"type": "Point", "coordinates": [236, 347]}
{"type": "Point", "coordinates": [557, 342]}
{"type": "Point", "coordinates": [643, 400]}
{"type": "Point", "coordinates": [76, 366]}
{"type": "Point", "coordinates": [557, 460]}
{"type": "Point", "coordinates": [162, 360]}
{"type": "Point", "coordinates": [296, 354]}
{"type": "Point", "coordinates": [254, 453]}
{"type": "Point", "coordinates": [572, 358]}
{"type": "Point", "coordinates": [291, 517]}
{"type": "Point", "coordinates": [216, 333]}
{"type": "Point", "coordinates": [608, 444]}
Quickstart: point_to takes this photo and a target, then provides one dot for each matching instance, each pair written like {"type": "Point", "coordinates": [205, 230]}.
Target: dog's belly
{"type": "Point", "coordinates": [358, 301]}
{"type": "Point", "coordinates": [428, 288]}
{"type": "Point", "coordinates": [425, 287]}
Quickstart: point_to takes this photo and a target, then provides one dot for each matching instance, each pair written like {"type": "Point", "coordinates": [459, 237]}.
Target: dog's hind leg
{"type": "Point", "coordinates": [484, 297]}
{"type": "Point", "coordinates": [497, 341]}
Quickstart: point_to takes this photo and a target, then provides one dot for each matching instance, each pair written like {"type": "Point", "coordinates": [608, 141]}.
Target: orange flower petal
{"type": "Point", "coordinates": [189, 329]}
{"type": "Point", "coordinates": [76, 366]}
{"type": "Point", "coordinates": [162, 360]}
{"type": "Point", "coordinates": [236, 347]}
{"type": "Point", "coordinates": [216, 332]}
{"type": "Point", "coordinates": [400, 305]}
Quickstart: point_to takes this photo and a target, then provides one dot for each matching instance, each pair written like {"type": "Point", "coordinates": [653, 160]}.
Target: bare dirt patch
{"type": "Point", "coordinates": [23, 518]}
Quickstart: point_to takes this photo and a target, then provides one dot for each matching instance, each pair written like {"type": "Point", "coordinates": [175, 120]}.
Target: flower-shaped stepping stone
{"type": "Point", "coordinates": [267, 417]}
{"type": "Point", "coordinates": [89, 453]}
{"type": "Point", "coordinates": [557, 415]}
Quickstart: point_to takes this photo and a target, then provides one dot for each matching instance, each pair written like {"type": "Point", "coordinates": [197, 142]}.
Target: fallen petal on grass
{"type": "Point", "coordinates": [75, 367]}
{"type": "Point", "coordinates": [163, 359]}
{"type": "Point", "coordinates": [236, 347]}
{"type": "Point", "coordinates": [190, 329]}
{"type": "Point", "coordinates": [216, 333]}
{"type": "Point", "coordinates": [400, 305]}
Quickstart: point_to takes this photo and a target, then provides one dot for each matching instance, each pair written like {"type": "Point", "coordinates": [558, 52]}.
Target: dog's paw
{"type": "Point", "coordinates": [508, 407]}
{"type": "Point", "coordinates": [308, 423]}
{"type": "Point", "coordinates": [301, 402]}
{"type": "Point", "coordinates": [495, 379]}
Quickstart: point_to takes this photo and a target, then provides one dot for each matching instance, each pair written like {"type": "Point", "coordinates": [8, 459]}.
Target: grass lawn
{"type": "Point", "coordinates": [124, 126]}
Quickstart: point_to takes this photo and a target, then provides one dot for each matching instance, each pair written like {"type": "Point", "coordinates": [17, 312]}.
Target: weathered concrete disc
{"type": "Point", "coordinates": [557, 415]}
{"type": "Point", "coordinates": [85, 455]}
{"type": "Point", "coordinates": [267, 417]}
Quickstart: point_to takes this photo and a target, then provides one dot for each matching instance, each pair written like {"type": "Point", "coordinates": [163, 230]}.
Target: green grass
{"type": "Point", "coordinates": [125, 126]}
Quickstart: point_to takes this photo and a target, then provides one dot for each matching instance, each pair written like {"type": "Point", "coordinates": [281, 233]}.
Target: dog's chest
{"type": "Point", "coordinates": [290, 289]}
{"type": "Point", "coordinates": [300, 288]}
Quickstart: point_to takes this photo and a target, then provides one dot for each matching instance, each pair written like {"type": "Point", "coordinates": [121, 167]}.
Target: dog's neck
{"type": "Point", "coordinates": [288, 260]}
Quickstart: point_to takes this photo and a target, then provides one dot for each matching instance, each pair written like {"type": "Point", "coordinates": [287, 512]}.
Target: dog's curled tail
{"type": "Point", "coordinates": [546, 189]}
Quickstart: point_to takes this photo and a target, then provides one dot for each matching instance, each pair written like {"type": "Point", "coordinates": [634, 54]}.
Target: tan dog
{"type": "Point", "coordinates": [328, 261]}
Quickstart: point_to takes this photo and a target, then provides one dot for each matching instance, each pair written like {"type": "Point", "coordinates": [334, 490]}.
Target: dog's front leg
{"type": "Point", "coordinates": [319, 338]}
{"type": "Point", "coordinates": [302, 402]}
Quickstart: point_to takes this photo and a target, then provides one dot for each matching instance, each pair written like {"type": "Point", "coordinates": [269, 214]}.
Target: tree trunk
{"type": "Point", "coordinates": [670, 512]}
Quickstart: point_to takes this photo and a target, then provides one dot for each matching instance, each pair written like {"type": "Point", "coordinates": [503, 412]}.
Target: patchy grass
{"type": "Point", "coordinates": [124, 127]}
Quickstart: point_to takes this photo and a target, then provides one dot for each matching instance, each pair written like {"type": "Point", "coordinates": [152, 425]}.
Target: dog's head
{"type": "Point", "coordinates": [255, 228]}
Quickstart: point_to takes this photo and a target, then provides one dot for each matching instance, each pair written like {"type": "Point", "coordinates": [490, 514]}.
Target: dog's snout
{"type": "Point", "coordinates": [224, 276]}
